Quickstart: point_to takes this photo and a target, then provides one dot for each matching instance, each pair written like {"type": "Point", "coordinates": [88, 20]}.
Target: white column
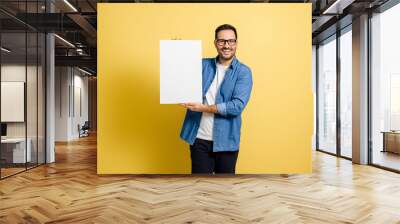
{"type": "Point", "coordinates": [50, 92]}
{"type": "Point", "coordinates": [360, 90]}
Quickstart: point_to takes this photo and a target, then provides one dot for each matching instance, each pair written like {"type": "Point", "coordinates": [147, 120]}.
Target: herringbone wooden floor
{"type": "Point", "coordinates": [69, 191]}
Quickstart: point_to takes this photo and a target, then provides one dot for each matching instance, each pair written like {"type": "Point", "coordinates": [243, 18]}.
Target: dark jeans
{"type": "Point", "coordinates": [204, 160]}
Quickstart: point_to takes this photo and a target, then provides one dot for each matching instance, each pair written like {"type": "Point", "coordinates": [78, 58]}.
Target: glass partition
{"type": "Point", "coordinates": [385, 89]}
{"type": "Point", "coordinates": [14, 145]}
{"type": "Point", "coordinates": [22, 88]}
{"type": "Point", "coordinates": [346, 93]}
{"type": "Point", "coordinates": [327, 95]}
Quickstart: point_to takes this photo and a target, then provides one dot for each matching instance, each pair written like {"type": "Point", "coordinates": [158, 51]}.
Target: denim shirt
{"type": "Point", "coordinates": [231, 99]}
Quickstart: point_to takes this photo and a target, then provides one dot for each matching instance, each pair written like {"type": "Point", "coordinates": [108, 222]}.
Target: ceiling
{"type": "Point", "coordinates": [76, 22]}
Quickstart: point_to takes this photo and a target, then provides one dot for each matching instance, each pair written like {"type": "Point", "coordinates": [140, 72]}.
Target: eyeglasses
{"type": "Point", "coordinates": [221, 42]}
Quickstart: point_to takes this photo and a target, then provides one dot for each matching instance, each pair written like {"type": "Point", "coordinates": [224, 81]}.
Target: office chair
{"type": "Point", "coordinates": [84, 130]}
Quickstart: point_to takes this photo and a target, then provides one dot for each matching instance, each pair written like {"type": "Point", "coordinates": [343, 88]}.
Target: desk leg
{"type": "Point", "coordinates": [384, 142]}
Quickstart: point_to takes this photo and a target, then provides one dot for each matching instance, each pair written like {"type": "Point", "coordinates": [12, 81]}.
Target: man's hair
{"type": "Point", "coordinates": [225, 27]}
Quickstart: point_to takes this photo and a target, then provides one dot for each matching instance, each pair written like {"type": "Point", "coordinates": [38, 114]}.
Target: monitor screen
{"type": "Point", "coordinates": [3, 129]}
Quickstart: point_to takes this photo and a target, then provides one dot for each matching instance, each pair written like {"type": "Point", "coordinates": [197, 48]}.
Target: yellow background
{"type": "Point", "coordinates": [137, 135]}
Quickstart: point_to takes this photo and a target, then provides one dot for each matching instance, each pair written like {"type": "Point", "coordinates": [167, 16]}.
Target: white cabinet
{"type": "Point", "coordinates": [18, 149]}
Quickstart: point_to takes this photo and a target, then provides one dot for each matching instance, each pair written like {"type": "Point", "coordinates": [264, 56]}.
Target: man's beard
{"type": "Point", "coordinates": [227, 58]}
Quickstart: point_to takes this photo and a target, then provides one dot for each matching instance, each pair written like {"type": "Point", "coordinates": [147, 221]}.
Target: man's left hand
{"type": "Point", "coordinates": [199, 107]}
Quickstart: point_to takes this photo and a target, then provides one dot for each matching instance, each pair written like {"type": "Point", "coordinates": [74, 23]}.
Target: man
{"type": "Point", "coordinates": [213, 128]}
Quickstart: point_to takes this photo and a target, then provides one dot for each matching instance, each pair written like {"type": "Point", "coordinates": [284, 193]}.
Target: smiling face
{"type": "Point", "coordinates": [226, 44]}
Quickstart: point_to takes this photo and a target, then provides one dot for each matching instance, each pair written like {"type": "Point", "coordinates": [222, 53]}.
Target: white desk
{"type": "Point", "coordinates": [19, 149]}
{"type": "Point", "coordinates": [391, 141]}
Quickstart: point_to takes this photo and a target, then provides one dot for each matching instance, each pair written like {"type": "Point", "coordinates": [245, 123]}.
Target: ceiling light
{"type": "Point", "coordinates": [70, 5]}
{"type": "Point", "coordinates": [84, 71]}
{"type": "Point", "coordinates": [64, 40]}
{"type": "Point", "coordinates": [338, 6]}
{"type": "Point", "coordinates": [5, 50]}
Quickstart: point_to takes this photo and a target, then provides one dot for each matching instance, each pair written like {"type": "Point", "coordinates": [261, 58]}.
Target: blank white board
{"type": "Point", "coordinates": [12, 101]}
{"type": "Point", "coordinates": [180, 71]}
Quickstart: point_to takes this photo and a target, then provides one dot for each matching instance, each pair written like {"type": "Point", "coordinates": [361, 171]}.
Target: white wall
{"type": "Point", "coordinates": [62, 81]}
{"type": "Point", "coordinates": [79, 117]}
{"type": "Point", "coordinates": [71, 93]}
{"type": "Point", "coordinates": [14, 72]}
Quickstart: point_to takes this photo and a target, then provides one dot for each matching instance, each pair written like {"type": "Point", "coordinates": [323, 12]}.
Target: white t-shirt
{"type": "Point", "coordinates": [207, 119]}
